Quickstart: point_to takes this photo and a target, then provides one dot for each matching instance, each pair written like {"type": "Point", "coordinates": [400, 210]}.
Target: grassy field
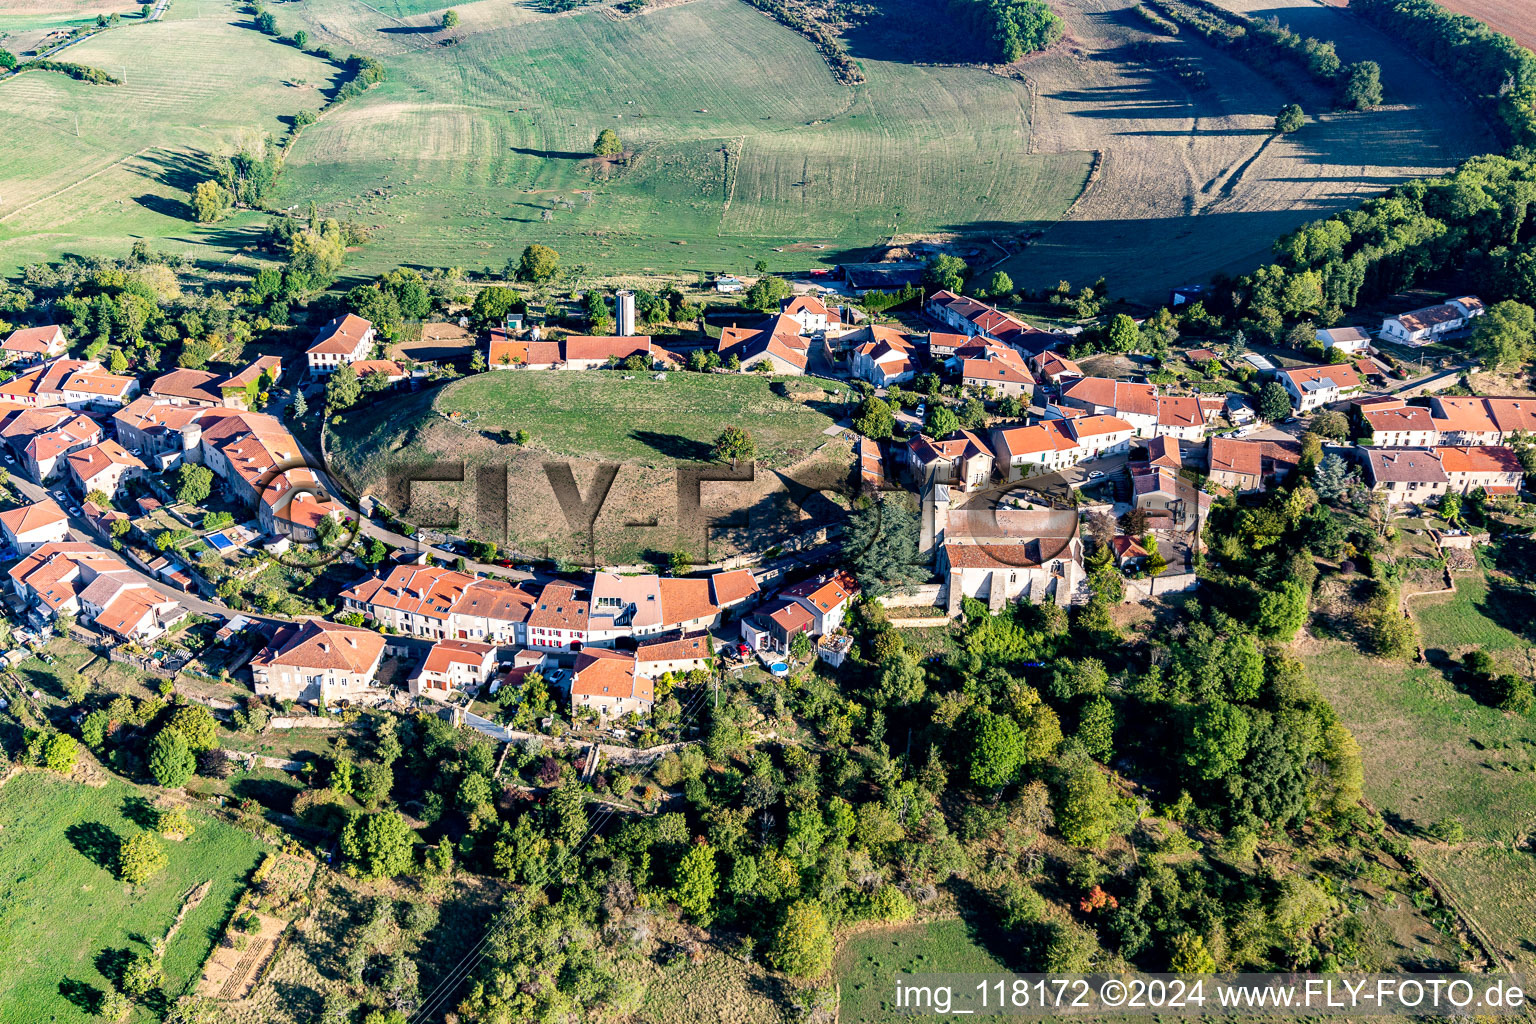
{"type": "Point", "coordinates": [587, 418]}
{"type": "Point", "coordinates": [1459, 622]}
{"type": "Point", "coordinates": [742, 142]}
{"type": "Point", "coordinates": [61, 908]}
{"type": "Point", "coordinates": [868, 964]}
{"type": "Point", "coordinates": [87, 169]}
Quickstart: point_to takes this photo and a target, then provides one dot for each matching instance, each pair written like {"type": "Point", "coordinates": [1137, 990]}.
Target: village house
{"type": "Point", "coordinates": [885, 357]}
{"type": "Point", "coordinates": [1472, 421]}
{"type": "Point", "coordinates": [341, 342]}
{"type": "Point", "coordinates": [1395, 424]}
{"type": "Point", "coordinates": [813, 315]}
{"type": "Point", "coordinates": [1054, 368]}
{"type": "Point", "coordinates": [50, 579]}
{"type": "Point", "coordinates": [979, 320]}
{"type": "Point", "coordinates": [558, 620]}
{"type": "Point", "coordinates": [826, 597]}
{"type": "Point", "coordinates": [392, 371]}
{"type": "Point", "coordinates": [188, 387]}
{"type": "Point", "coordinates": [1172, 502]}
{"type": "Point", "coordinates": [31, 526]}
{"type": "Point", "coordinates": [1129, 553]}
{"type": "Point", "coordinates": [1423, 326]}
{"type": "Point", "coordinates": [1136, 404]}
{"type": "Point", "coordinates": [675, 652]}
{"type": "Point", "coordinates": [589, 352]}
{"type": "Point", "coordinates": [1405, 474]}
{"type": "Point", "coordinates": [48, 436]}
{"type": "Point", "coordinates": [74, 383]}
{"type": "Point", "coordinates": [317, 661]}
{"type": "Point", "coordinates": [1494, 468]}
{"type": "Point", "coordinates": [1246, 466]}
{"type": "Point", "coordinates": [1352, 341]}
{"type": "Point", "coordinates": [871, 466]}
{"type": "Point", "coordinates": [1180, 417]}
{"type": "Point", "coordinates": [128, 608]}
{"type": "Point", "coordinates": [31, 345]}
{"type": "Point", "coordinates": [1001, 372]}
{"type": "Point", "coordinates": [777, 345]}
{"type": "Point", "coordinates": [241, 390]}
{"type": "Point", "coordinates": [103, 467]}
{"type": "Point", "coordinates": [623, 606]}
{"type": "Point", "coordinates": [960, 460]}
{"type": "Point", "coordinates": [1165, 451]}
{"type": "Point", "coordinates": [607, 683]}
{"type": "Point", "coordinates": [452, 666]}
{"type": "Point", "coordinates": [1011, 555]}
{"type": "Point", "coordinates": [1040, 447]}
{"type": "Point", "coordinates": [1312, 387]}
{"type": "Point", "coordinates": [773, 628]}
{"type": "Point", "coordinates": [439, 603]}
{"type": "Point", "coordinates": [1237, 410]}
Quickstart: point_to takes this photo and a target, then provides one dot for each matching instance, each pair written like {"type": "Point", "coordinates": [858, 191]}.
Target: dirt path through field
{"type": "Point", "coordinates": [1193, 179]}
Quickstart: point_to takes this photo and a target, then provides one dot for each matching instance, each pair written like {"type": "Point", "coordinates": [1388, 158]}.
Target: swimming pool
{"type": "Point", "coordinates": [220, 542]}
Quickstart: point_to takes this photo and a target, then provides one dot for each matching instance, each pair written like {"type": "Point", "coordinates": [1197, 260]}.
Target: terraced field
{"type": "Point", "coordinates": [86, 169]}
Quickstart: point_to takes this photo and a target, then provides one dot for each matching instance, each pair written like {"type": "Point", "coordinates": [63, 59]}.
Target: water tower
{"type": "Point", "coordinates": [626, 314]}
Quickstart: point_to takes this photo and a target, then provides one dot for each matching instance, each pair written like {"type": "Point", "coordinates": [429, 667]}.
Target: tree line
{"type": "Point", "coordinates": [1490, 65]}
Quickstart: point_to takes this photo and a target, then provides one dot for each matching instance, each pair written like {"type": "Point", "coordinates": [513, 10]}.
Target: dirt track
{"type": "Point", "coordinates": [1192, 179]}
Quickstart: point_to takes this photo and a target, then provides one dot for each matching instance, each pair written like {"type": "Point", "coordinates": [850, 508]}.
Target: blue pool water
{"type": "Point", "coordinates": [778, 668]}
{"type": "Point", "coordinates": [221, 542]}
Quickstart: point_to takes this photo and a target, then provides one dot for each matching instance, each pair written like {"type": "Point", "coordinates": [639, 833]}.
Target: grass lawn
{"type": "Point", "coordinates": [61, 908]}
{"type": "Point", "coordinates": [88, 169]}
{"type": "Point", "coordinates": [1431, 751]}
{"type": "Point", "coordinates": [598, 415]}
{"type": "Point", "coordinates": [1459, 622]}
{"type": "Point", "coordinates": [868, 964]}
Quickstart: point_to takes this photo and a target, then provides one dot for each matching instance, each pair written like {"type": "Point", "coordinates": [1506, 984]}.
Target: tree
{"type": "Point", "coordinates": [1505, 335]}
{"type": "Point", "coordinates": [1096, 729]}
{"type": "Point", "coordinates": [538, 264]}
{"type": "Point", "coordinates": [300, 406]}
{"type": "Point", "coordinates": [1331, 424]}
{"type": "Point", "coordinates": [1362, 86]}
{"type": "Point", "coordinates": [1218, 740]}
{"type": "Point", "coordinates": [343, 390]}
{"type": "Point", "coordinates": [170, 759]}
{"type": "Point", "coordinates": [947, 272]}
{"type": "Point", "coordinates": [142, 974]}
{"type": "Point", "coordinates": [175, 822]}
{"type": "Point", "coordinates": [378, 845]}
{"type": "Point", "coordinates": [114, 1006]}
{"type": "Point", "coordinates": [193, 483]}
{"type": "Point", "coordinates": [301, 39]}
{"type": "Point", "coordinates": [140, 857]}
{"type": "Point", "coordinates": [802, 946]}
{"type": "Point", "coordinates": [59, 753]}
{"type": "Point", "coordinates": [608, 143]}
{"type": "Point", "coordinates": [7, 60]}
{"type": "Point", "coordinates": [880, 544]}
{"type": "Point", "coordinates": [1000, 284]}
{"type": "Point", "coordinates": [209, 201]}
{"type": "Point", "coordinates": [1290, 119]}
{"type": "Point", "coordinates": [266, 23]}
{"type": "Point", "coordinates": [1333, 478]}
{"type": "Point", "coordinates": [450, 19]}
{"type": "Point", "coordinates": [1190, 955]}
{"type": "Point", "coordinates": [1123, 334]}
{"type": "Point", "coordinates": [767, 293]}
{"type": "Point", "coordinates": [874, 419]}
{"type": "Point", "coordinates": [1274, 402]}
{"type": "Point", "coordinates": [942, 421]}
{"type": "Point", "coordinates": [680, 563]}
{"type": "Point", "coordinates": [996, 751]}
{"type": "Point", "coordinates": [1084, 806]}
{"type": "Point", "coordinates": [197, 726]}
{"type": "Point", "coordinates": [733, 444]}
{"type": "Point", "coordinates": [698, 879]}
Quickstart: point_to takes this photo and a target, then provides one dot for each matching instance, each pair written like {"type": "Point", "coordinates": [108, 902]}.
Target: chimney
{"type": "Point", "coordinates": [626, 314]}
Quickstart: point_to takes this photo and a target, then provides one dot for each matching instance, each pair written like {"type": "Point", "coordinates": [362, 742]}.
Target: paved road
{"type": "Point", "coordinates": [159, 10]}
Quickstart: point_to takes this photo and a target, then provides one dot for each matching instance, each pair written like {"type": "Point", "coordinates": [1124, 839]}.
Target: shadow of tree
{"type": "Point", "coordinates": [674, 446]}
{"type": "Point", "coordinates": [83, 995]}
{"type": "Point", "coordinates": [95, 841]}
{"type": "Point", "coordinates": [140, 811]}
{"type": "Point", "coordinates": [112, 963]}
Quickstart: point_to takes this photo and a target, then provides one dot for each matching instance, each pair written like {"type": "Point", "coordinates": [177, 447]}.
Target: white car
{"type": "Point", "coordinates": [1095, 474]}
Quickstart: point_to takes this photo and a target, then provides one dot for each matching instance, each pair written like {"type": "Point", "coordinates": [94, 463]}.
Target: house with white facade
{"type": "Point", "coordinates": [1422, 327]}
{"type": "Point", "coordinates": [31, 526]}
{"type": "Point", "coordinates": [1136, 404]}
{"type": "Point", "coordinates": [341, 342]}
{"type": "Point", "coordinates": [453, 666]}
{"type": "Point", "coordinates": [1312, 387]}
{"type": "Point", "coordinates": [315, 660]}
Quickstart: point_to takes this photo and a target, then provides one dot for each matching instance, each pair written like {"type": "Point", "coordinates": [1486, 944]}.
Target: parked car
{"type": "Point", "coordinates": [1095, 474]}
